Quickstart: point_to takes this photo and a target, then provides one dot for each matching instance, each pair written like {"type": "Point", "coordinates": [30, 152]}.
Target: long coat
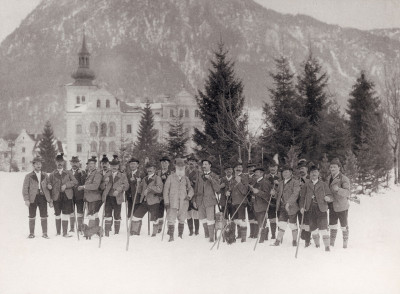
{"type": "Point", "coordinates": [239, 190]}
{"type": "Point", "coordinates": [80, 176]}
{"type": "Point", "coordinates": [92, 186]}
{"type": "Point", "coordinates": [133, 184]}
{"type": "Point", "coordinates": [30, 187]}
{"type": "Point", "coordinates": [272, 179]}
{"type": "Point", "coordinates": [56, 180]}
{"type": "Point", "coordinates": [104, 175]}
{"type": "Point", "coordinates": [340, 198]}
{"type": "Point", "coordinates": [228, 187]}
{"type": "Point", "coordinates": [177, 192]}
{"type": "Point", "coordinates": [120, 184]}
{"type": "Point", "coordinates": [262, 198]}
{"type": "Point", "coordinates": [320, 190]}
{"type": "Point", "coordinates": [205, 190]}
{"type": "Point", "coordinates": [288, 193]}
{"type": "Point", "coordinates": [154, 188]}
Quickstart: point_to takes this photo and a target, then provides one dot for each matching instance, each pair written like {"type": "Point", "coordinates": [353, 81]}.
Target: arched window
{"type": "Point", "coordinates": [196, 113]}
{"type": "Point", "coordinates": [23, 159]}
{"type": "Point", "coordinates": [112, 147]}
{"type": "Point", "coordinates": [103, 147]}
{"type": "Point", "coordinates": [93, 146]}
{"type": "Point", "coordinates": [93, 129]}
{"type": "Point", "coordinates": [111, 129]}
{"type": "Point", "coordinates": [181, 113]}
{"type": "Point", "coordinates": [98, 103]}
{"type": "Point", "coordinates": [186, 112]}
{"type": "Point", "coordinates": [107, 103]}
{"type": "Point", "coordinates": [103, 129]}
{"type": "Point", "coordinates": [79, 129]}
{"type": "Point", "coordinates": [83, 99]}
{"type": "Point", "coordinates": [171, 113]}
{"type": "Point", "coordinates": [78, 100]}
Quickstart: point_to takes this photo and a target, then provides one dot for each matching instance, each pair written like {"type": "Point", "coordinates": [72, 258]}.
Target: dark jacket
{"type": "Point", "coordinates": [205, 190]}
{"type": "Point", "coordinates": [262, 198]}
{"type": "Point", "coordinates": [80, 176]}
{"type": "Point", "coordinates": [57, 180]}
{"type": "Point", "coordinates": [320, 190]}
{"type": "Point", "coordinates": [92, 186]}
{"type": "Point", "coordinates": [288, 193]}
{"type": "Point", "coordinates": [30, 187]}
{"type": "Point", "coordinates": [119, 184]}
{"type": "Point", "coordinates": [133, 184]}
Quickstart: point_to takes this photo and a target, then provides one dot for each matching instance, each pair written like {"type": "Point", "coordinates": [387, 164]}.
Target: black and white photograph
{"type": "Point", "coordinates": [199, 146]}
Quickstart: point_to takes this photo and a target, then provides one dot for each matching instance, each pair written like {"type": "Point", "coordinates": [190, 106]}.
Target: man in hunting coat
{"type": "Point", "coordinates": [163, 173]}
{"type": "Point", "coordinates": [227, 183]}
{"type": "Point", "coordinates": [205, 199]}
{"type": "Point", "coordinates": [61, 183]}
{"type": "Point", "coordinates": [105, 172]}
{"type": "Point", "coordinates": [113, 195]}
{"type": "Point", "coordinates": [36, 195]}
{"type": "Point", "coordinates": [261, 198]}
{"type": "Point", "coordinates": [303, 173]}
{"type": "Point", "coordinates": [339, 185]}
{"type": "Point", "coordinates": [80, 176]}
{"type": "Point", "coordinates": [274, 177]}
{"type": "Point", "coordinates": [151, 188]}
{"type": "Point", "coordinates": [134, 176]}
{"type": "Point", "coordinates": [192, 173]}
{"type": "Point", "coordinates": [286, 205]}
{"type": "Point", "coordinates": [92, 193]}
{"type": "Point", "coordinates": [249, 205]}
{"type": "Point", "coordinates": [314, 197]}
{"type": "Point", "coordinates": [177, 193]}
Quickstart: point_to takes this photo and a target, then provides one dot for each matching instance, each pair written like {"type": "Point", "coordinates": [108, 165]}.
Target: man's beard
{"type": "Point", "coordinates": [180, 173]}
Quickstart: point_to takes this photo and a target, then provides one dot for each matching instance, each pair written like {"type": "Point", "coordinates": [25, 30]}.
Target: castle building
{"type": "Point", "coordinates": [99, 123]}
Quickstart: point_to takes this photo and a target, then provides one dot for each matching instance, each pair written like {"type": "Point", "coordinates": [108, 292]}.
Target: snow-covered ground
{"type": "Point", "coordinates": [371, 264]}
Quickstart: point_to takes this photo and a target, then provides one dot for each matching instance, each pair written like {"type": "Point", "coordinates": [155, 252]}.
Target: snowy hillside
{"type": "Point", "coordinates": [371, 264]}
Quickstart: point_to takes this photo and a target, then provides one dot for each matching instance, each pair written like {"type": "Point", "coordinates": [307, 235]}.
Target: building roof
{"type": "Point", "coordinates": [184, 98]}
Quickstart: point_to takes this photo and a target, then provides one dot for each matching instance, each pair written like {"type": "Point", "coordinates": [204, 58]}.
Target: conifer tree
{"type": "Point", "coordinates": [177, 137]}
{"type": "Point", "coordinates": [324, 168]}
{"type": "Point", "coordinates": [222, 90]}
{"type": "Point", "coordinates": [47, 148]}
{"type": "Point", "coordinates": [147, 135]}
{"type": "Point", "coordinates": [351, 170]}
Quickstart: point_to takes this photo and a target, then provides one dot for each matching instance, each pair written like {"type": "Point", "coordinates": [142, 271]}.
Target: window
{"type": "Point", "coordinates": [111, 129]}
{"type": "Point", "coordinates": [93, 146]}
{"type": "Point", "coordinates": [103, 147]}
{"type": "Point", "coordinates": [23, 159]}
{"type": "Point", "coordinates": [181, 113]}
{"type": "Point", "coordinates": [103, 129]}
{"type": "Point", "coordinates": [196, 113]}
{"type": "Point", "coordinates": [83, 99]}
{"type": "Point", "coordinates": [112, 147]}
{"type": "Point", "coordinates": [79, 129]}
{"type": "Point", "coordinates": [171, 113]}
{"type": "Point", "coordinates": [23, 149]}
{"type": "Point", "coordinates": [78, 148]}
{"type": "Point", "coordinates": [107, 103]}
{"type": "Point", "coordinates": [78, 100]}
{"type": "Point", "coordinates": [93, 129]}
{"type": "Point", "coordinates": [98, 103]}
{"type": "Point", "coordinates": [186, 112]}
{"type": "Point", "coordinates": [129, 129]}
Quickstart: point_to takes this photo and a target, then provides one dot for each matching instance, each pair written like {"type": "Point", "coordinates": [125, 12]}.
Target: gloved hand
{"type": "Point", "coordinates": [327, 198]}
{"type": "Point", "coordinates": [49, 186]}
{"type": "Point", "coordinates": [27, 203]}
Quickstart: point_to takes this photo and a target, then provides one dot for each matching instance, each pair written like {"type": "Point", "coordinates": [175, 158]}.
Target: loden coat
{"type": "Point", "coordinates": [340, 198]}
{"type": "Point", "coordinates": [263, 197]}
{"type": "Point", "coordinates": [178, 192]}
{"type": "Point", "coordinates": [228, 187]}
{"type": "Point", "coordinates": [205, 190]}
{"type": "Point", "coordinates": [120, 184]}
{"type": "Point", "coordinates": [288, 193]}
{"type": "Point", "coordinates": [320, 190]}
{"type": "Point", "coordinates": [80, 176]}
{"type": "Point", "coordinates": [92, 186]}
{"type": "Point", "coordinates": [56, 180]}
{"type": "Point", "coordinates": [154, 188]}
{"type": "Point", "coordinates": [30, 187]}
{"type": "Point", "coordinates": [133, 184]}
{"type": "Point", "coordinates": [239, 190]}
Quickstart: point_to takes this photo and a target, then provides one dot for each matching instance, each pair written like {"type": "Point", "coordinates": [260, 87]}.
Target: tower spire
{"type": "Point", "coordinates": [83, 75]}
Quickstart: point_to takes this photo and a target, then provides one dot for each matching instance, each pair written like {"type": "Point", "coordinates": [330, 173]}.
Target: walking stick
{"type": "Point", "coordinates": [76, 224]}
{"type": "Point", "coordinates": [163, 228]}
{"type": "Point", "coordinates": [148, 223]}
{"type": "Point", "coordinates": [301, 227]}
{"type": "Point", "coordinates": [219, 239]}
{"type": "Point", "coordinates": [126, 214]}
{"type": "Point", "coordinates": [130, 218]}
{"type": "Point", "coordinates": [102, 223]}
{"type": "Point", "coordinates": [226, 204]}
{"type": "Point", "coordinates": [262, 225]}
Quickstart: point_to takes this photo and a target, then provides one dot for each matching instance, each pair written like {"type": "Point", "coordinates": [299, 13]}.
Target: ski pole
{"type": "Point", "coordinates": [226, 204]}
{"type": "Point", "coordinates": [76, 223]}
{"type": "Point", "coordinates": [126, 214]}
{"type": "Point", "coordinates": [130, 217]}
{"type": "Point", "coordinates": [163, 228]}
{"type": "Point", "coordinates": [102, 223]}
{"type": "Point", "coordinates": [301, 226]}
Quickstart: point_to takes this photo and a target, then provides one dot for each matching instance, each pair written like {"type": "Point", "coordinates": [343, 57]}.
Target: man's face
{"type": "Point", "coordinates": [334, 168]}
{"type": "Point", "coordinates": [180, 169]}
{"type": "Point", "coordinates": [287, 174]}
{"type": "Point", "coordinates": [206, 166]}
{"type": "Point", "coordinates": [164, 164]}
{"type": "Point", "coordinates": [37, 166]}
{"type": "Point", "coordinates": [273, 169]}
{"type": "Point", "coordinates": [133, 166]}
{"type": "Point", "coordinates": [91, 165]}
{"type": "Point", "coordinates": [239, 169]}
{"type": "Point", "coordinates": [303, 171]}
{"type": "Point", "coordinates": [75, 165]}
{"type": "Point", "coordinates": [60, 164]}
{"type": "Point", "coordinates": [258, 173]}
{"type": "Point", "coordinates": [105, 165]}
{"type": "Point", "coordinates": [150, 170]}
{"type": "Point", "coordinates": [114, 168]}
{"type": "Point", "coordinates": [229, 172]}
{"type": "Point", "coordinates": [192, 164]}
{"type": "Point", "coordinates": [314, 175]}
{"type": "Point", "coordinates": [251, 170]}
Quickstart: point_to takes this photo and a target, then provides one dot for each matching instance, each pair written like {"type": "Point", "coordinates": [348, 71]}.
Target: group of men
{"type": "Point", "coordinates": [192, 192]}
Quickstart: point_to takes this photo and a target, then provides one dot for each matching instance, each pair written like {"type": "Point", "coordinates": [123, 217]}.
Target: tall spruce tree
{"type": "Point", "coordinates": [222, 89]}
{"type": "Point", "coordinates": [283, 123]}
{"type": "Point", "coordinates": [147, 135]}
{"type": "Point", "coordinates": [177, 137]}
{"type": "Point", "coordinates": [47, 149]}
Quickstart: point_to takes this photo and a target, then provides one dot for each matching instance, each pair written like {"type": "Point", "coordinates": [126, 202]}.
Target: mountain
{"type": "Point", "coordinates": [149, 47]}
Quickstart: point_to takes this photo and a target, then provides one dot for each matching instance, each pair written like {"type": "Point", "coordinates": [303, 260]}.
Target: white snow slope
{"type": "Point", "coordinates": [371, 264]}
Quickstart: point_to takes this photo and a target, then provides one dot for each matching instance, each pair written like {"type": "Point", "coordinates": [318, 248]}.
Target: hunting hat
{"type": "Point", "coordinates": [314, 167]}
{"type": "Point", "coordinates": [273, 163]}
{"type": "Point", "coordinates": [60, 157]}
{"type": "Point", "coordinates": [191, 158]}
{"type": "Point", "coordinates": [104, 159]}
{"type": "Point", "coordinates": [228, 165]}
{"type": "Point", "coordinates": [302, 163]}
{"type": "Point", "coordinates": [150, 164]}
{"type": "Point", "coordinates": [336, 161]}
{"type": "Point", "coordinates": [37, 159]}
{"type": "Point", "coordinates": [115, 160]}
{"type": "Point", "coordinates": [165, 158]}
{"type": "Point", "coordinates": [92, 159]}
{"type": "Point", "coordinates": [287, 167]}
{"type": "Point", "coordinates": [75, 159]}
{"type": "Point", "coordinates": [207, 160]}
{"type": "Point", "coordinates": [251, 165]}
{"type": "Point", "coordinates": [179, 161]}
{"type": "Point", "coordinates": [260, 168]}
{"type": "Point", "coordinates": [133, 159]}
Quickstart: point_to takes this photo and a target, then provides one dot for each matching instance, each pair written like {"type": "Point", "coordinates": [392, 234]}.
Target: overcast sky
{"type": "Point", "coordinates": [362, 14]}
